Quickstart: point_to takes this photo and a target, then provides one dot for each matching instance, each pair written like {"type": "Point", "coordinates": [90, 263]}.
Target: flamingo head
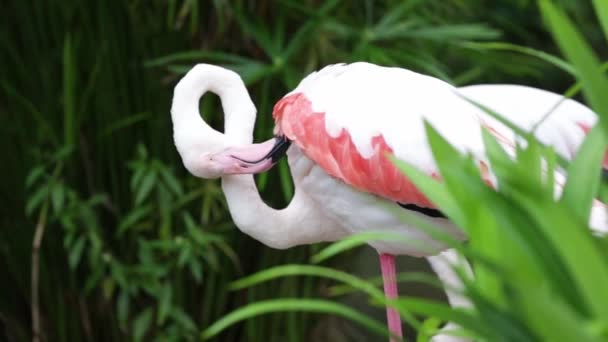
{"type": "Point", "coordinates": [206, 152]}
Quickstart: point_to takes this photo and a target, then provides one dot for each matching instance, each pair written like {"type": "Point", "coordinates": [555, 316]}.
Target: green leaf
{"type": "Point", "coordinates": [584, 172]}
{"type": "Point", "coordinates": [351, 242]}
{"type": "Point", "coordinates": [449, 32]}
{"type": "Point", "coordinates": [118, 273]}
{"type": "Point", "coordinates": [433, 189]}
{"type": "Point", "coordinates": [35, 201]}
{"type": "Point", "coordinates": [57, 197]}
{"type": "Point", "coordinates": [401, 277]}
{"type": "Point", "coordinates": [35, 174]}
{"type": "Point", "coordinates": [500, 46]}
{"type": "Point", "coordinates": [196, 269]}
{"type": "Point", "coordinates": [444, 312]}
{"type": "Point", "coordinates": [182, 319]}
{"type": "Point", "coordinates": [250, 72]}
{"type": "Point", "coordinates": [171, 181]}
{"type": "Point", "coordinates": [164, 305]}
{"type": "Point", "coordinates": [185, 253]}
{"type": "Point", "coordinates": [141, 324]}
{"type": "Point", "coordinates": [132, 218]}
{"type": "Point", "coordinates": [429, 328]}
{"type": "Point", "coordinates": [147, 184]}
{"type": "Point", "coordinates": [540, 307]}
{"type": "Point", "coordinates": [292, 305]}
{"type": "Point", "coordinates": [397, 14]}
{"type": "Point", "coordinates": [122, 307]}
{"type": "Point", "coordinates": [601, 9]}
{"type": "Point", "coordinates": [138, 173]}
{"type": "Point", "coordinates": [76, 252]}
{"type": "Point", "coordinates": [319, 271]}
{"type": "Point", "coordinates": [581, 56]}
{"type": "Point", "coordinates": [257, 32]}
{"type": "Point", "coordinates": [580, 253]}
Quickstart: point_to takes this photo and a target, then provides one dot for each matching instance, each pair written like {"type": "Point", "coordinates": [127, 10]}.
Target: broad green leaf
{"type": "Point", "coordinates": [429, 328]}
{"type": "Point", "coordinates": [601, 9]}
{"type": "Point", "coordinates": [551, 318]}
{"type": "Point", "coordinates": [455, 171]}
{"type": "Point", "coordinates": [580, 254]}
{"type": "Point", "coordinates": [581, 56]}
{"type": "Point", "coordinates": [584, 173]}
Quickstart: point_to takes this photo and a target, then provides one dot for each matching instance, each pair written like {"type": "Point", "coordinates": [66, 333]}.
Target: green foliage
{"type": "Point", "coordinates": [136, 249]}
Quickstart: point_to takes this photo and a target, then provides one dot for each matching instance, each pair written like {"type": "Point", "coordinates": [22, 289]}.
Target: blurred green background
{"type": "Point", "coordinates": [133, 247]}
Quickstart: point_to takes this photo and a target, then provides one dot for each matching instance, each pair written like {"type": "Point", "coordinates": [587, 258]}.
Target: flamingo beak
{"type": "Point", "coordinates": [254, 158]}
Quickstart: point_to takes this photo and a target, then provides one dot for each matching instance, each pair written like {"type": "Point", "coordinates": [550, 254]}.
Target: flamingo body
{"type": "Point", "coordinates": [347, 118]}
{"type": "Point", "coordinates": [341, 122]}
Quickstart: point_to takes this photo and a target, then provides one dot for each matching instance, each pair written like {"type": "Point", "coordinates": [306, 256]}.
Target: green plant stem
{"type": "Point", "coordinates": [38, 235]}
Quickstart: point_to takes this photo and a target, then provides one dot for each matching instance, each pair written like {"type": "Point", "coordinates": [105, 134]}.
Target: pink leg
{"type": "Point", "coordinates": [387, 264]}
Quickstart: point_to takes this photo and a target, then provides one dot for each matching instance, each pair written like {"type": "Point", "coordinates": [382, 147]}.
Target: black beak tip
{"type": "Point", "coordinates": [280, 148]}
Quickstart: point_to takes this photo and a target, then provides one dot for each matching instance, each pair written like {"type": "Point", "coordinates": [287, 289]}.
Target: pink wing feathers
{"type": "Point", "coordinates": [347, 118]}
{"type": "Point", "coordinates": [339, 157]}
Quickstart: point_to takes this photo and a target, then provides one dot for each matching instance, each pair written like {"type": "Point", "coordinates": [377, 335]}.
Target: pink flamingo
{"type": "Point", "coordinates": [336, 128]}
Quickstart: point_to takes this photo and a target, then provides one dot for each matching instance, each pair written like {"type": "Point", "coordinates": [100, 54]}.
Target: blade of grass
{"type": "Point", "coordinates": [601, 10]}
{"type": "Point", "coordinates": [581, 56]}
{"type": "Point", "coordinates": [500, 46]}
{"type": "Point", "coordinates": [290, 305]}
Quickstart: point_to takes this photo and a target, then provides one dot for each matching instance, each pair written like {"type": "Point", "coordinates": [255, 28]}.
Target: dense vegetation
{"type": "Point", "coordinates": [131, 247]}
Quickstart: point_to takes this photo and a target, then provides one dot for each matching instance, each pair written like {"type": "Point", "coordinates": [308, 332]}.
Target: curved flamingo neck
{"type": "Point", "coordinates": [238, 108]}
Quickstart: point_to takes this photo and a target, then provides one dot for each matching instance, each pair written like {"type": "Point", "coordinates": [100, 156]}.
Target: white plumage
{"type": "Point", "coordinates": [365, 101]}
